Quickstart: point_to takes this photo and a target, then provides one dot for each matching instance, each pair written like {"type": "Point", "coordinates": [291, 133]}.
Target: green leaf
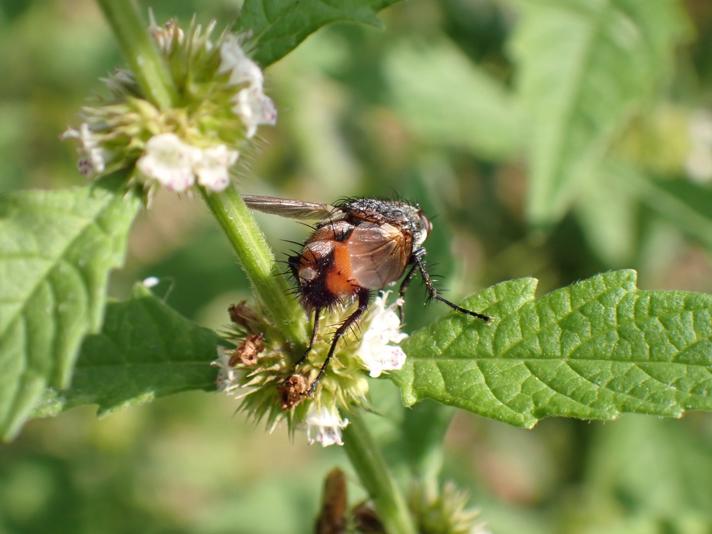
{"type": "Point", "coordinates": [449, 101]}
{"type": "Point", "coordinates": [585, 67]}
{"type": "Point", "coordinates": [590, 350]}
{"type": "Point", "coordinates": [278, 26]}
{"type": "Point", "coordinates": [56, 250]}
{"type": "Point", "coordinates": [145, 350]}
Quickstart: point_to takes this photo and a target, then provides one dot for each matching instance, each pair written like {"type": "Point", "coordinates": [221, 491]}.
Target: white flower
{"type": "Point", "coordinates": [212, 167]}
{"type": "Point", "coordinates": [170, 161]}
{"type": "Point", "coordinates": [241, 68]}
{"type": "Point", "coordinates": [176, 164]}
{"type": "Point", "coordinates": [254, 108]}
{"type": "Point", "coordinates": [379, 351]}
{"type": "Point", "coordinates": [93, 157]}
{"type": "Point", "coordinates": [250, 103]}
{"type": "Point", "coordinates": [324, 425]}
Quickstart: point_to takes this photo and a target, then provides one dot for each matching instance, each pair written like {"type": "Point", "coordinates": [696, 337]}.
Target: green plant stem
{"type": "Point", "coordinates": [376, 478]}
{"type": "Point", "coordinates": [258, 262]}
{"type": "Point", "coordinates": [148, 67]}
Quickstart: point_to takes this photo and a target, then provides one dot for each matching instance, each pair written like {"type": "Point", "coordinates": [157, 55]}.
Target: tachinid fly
{"type": "Point", "coordinates": [358, 246]}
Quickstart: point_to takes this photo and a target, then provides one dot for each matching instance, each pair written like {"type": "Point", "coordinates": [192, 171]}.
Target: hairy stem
{"type": "Point", "coordinates": [258, 262]}
{"type": "Point", "coordinates": [373, 472]}
{"type": "Point", "coordinates": [148, 67]}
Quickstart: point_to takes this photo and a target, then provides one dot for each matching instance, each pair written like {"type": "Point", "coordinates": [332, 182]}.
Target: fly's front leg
{"type": "Point", "coordinates": [403, 287]}
{"type": "Point", "coordinates": [433, 292]}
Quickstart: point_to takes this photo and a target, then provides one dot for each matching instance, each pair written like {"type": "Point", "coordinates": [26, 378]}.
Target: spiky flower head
{"type": "Point", "coordinates": [444, 510]}
{"type": "Point", "coordinates": [196, 142]}
{"type": "Point", "coordinates": [261, 370]}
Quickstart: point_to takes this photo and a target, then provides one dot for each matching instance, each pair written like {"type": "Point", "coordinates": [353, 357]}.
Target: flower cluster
{"type": "Point", "coordinates": [196, 142]}
{"type": "Point", "coordinates": [261, 372]}
{"type": "Point", "coordinates": [175, 164]}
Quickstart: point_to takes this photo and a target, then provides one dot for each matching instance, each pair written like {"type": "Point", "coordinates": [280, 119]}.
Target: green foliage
{"type": "Point", "coordinates": [56, 250]}
{"type": "Point", "coordinates": [476, 112]}
{"type": "Point", "coordinates": [422, 432]}
{"type": "Point", "coordinates": [591, 350]}
{"type": "Point", "coordinates": [685, 204]}
{"type": "Point", "coordinates": [584, 69]}
{"type": "Point", "coordinates": [278, 26]}
{"type": "Point", "coordinates": [661, 450]}
{"type": "Point", "coordinates": [606, 210]}
{"type": "Point", "coordinates": [145, 350]}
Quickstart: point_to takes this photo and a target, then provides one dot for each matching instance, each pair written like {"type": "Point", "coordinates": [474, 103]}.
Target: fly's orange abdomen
{"type": "Point", "coordinates": [339, 276]}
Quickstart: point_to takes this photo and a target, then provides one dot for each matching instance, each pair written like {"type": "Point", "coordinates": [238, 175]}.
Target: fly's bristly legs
{"type": "Point", "coordinates": [419, 262]}
{"type": "Point", "coordinates": [402, 289]}
{"type": "Point", "coordinates": [363, 299]}
{"type": "Point", "coordinates": [315, 329]}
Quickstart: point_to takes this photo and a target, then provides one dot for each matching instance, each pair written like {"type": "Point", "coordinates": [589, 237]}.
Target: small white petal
{"type": "Point", "coordinates": [170, 161]}
{"type": "Point", "coordinates": [213, 167]}
{"type": "Point", "coordinates": [389, 358]}
{"type": "Point", "coordinates": [379, 351]}
{"type": "Point", "coordinates": [241, 68]}
{"type": "Point", "coordinates": [324, 426]}
{"type": "Point", "coordinates": [254, 108]}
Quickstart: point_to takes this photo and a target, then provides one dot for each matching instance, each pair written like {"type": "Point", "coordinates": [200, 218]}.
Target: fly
{"type": "Point", "coordinates": [358, 246]}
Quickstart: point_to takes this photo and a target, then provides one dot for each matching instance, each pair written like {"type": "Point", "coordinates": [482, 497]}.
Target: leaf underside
{"type": "Point", "coordinates": [276, 27]}
{"type": "Point", "coordinates": [145, 350]}
{"type": "Point", "coordinates": [591, 350]}
{"type": "Point", "coordinates": [56, 251]}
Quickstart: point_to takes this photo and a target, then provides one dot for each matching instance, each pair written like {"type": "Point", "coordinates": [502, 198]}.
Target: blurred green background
{"type": "Point", "coordinates": [374, 113]}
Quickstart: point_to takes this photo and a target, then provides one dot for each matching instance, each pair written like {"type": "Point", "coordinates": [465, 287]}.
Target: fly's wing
{"type": "Point", "coordinates": [294, 209]}
{"type": "Point", "coordinates": [379, 254]}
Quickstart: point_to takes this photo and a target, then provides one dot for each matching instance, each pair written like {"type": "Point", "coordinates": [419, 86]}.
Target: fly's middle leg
{"type": "Point", "coordinates": [315, 329]}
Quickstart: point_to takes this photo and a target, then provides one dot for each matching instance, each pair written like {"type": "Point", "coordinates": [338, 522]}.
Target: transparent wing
{"type": "Point", "coordinates": [379, 254]}
{"type": "Point", "coordinates": [285, 207]}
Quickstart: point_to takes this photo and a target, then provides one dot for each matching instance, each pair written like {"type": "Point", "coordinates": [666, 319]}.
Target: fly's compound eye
{"type": "Point", "coordinates": [425, 228]}
{"type": "Point", "coordinates": [426, 223]}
